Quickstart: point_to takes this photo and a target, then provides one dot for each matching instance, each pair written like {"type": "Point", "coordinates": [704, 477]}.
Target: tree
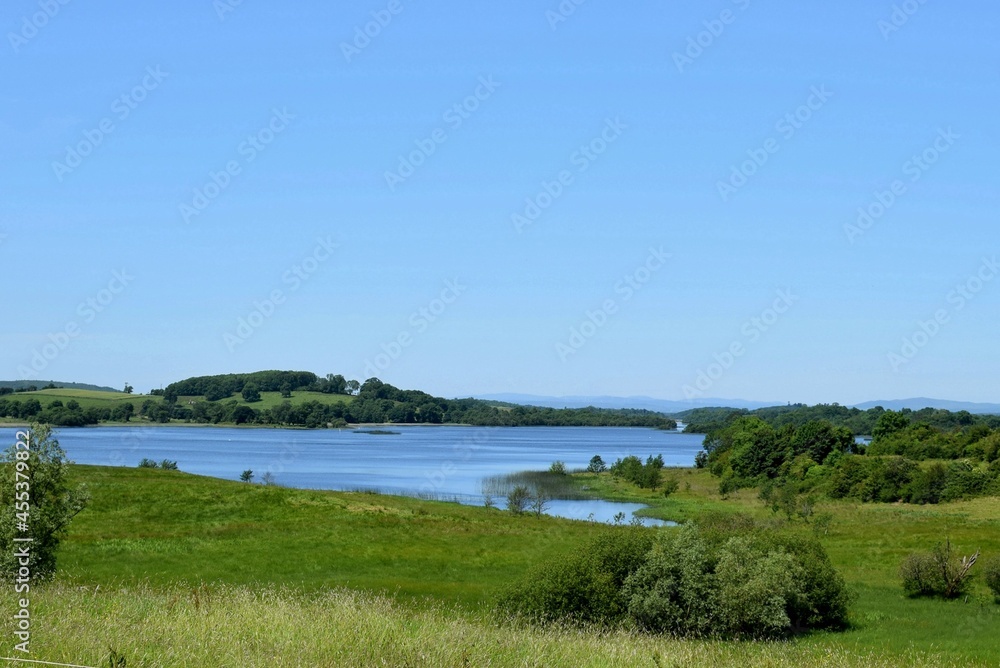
{"type": "Point", "coordinates": [267, 479]}
{"type": "Point", "coordinates": [247, 476]}
{"type": "Point", "coordinates": [596, 465]}
{"type": "Point", "coordinates": [286, 391]}
{"type": "Point", "coordinates": [353, 387]}
{"type": "Point", "coordinates": [517, 499]}
{"type": "Point", "coordinates": [251, 393]}
{"type": "Point", "coordinates": [36, 501]}
{"type": "Point", "coordinates": [128, 389]}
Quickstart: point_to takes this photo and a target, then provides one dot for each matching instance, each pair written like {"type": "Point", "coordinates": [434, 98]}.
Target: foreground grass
{"type": "Point", "coordinates": [249, 627]}
{"type": "Point", "coordinates": [420, 573]}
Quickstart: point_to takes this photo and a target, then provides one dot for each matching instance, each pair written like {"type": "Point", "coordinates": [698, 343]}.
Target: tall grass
{"type": "Point", "coordinates": [551, 485]}
{"type": "Point", "coordinates": [273, 627]}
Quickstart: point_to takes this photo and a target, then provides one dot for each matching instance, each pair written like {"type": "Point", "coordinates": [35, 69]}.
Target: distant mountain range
{"type": "Point", "coordinates": [673, 407]}
{"type": "Point", "coordinates": [21, 384]}
{"type": "Point", "coordinates": [648, 403]}
{"type": "Point", "coordinates": [923, 402]}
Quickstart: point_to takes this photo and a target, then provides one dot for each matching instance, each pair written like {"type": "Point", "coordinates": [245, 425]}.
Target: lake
{"type": "Point", "coordinates": [439, 462]}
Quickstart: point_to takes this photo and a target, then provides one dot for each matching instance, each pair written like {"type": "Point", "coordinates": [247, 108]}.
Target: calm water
{"type": "Point", "coordinates": [442, 462]}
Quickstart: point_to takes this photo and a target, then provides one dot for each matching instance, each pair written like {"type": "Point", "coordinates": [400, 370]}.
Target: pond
{"type": "Point", "coordinates": [439, 462]}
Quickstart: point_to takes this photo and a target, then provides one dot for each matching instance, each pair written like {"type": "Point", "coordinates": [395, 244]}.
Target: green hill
{"type": "Point", "coordinates": [39, 384]}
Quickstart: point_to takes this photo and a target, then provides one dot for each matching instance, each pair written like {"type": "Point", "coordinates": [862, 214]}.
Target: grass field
{"type": "Point", "coordinates": [175, 570]}
{"type": "Point", "coordinates": [272, 399]}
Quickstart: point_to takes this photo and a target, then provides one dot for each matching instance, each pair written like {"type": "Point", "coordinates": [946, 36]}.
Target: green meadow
{"type": "Point", "coordinates": [173, 569]}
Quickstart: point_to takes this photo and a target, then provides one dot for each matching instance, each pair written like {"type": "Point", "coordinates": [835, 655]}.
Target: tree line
{"type": "Point", "coordinates": [907, 460]}
{"type": "Point", "coordinates": [859, 422]}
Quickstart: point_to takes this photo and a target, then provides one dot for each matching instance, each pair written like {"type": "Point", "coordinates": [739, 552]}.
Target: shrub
{"type": "Point", "coordinates": [558, 468]}
{"type": "Point", "coordinates": [517, 499]}
{"type": "Point", "coordinates": [937, 573]}
{"type": "Point", "coordinates": [991, 575]}
{"type": "Point", "coordinates": [670, 486]}
{"type": "Point", "coordinates": [672, 591]}
{"type": "Point", "coordinates": [584, 587]}
{"type": "Point", "coordinates": [755, 589]}
{"type": "Point", "coordinates": [596, 465]}
{"type": "Point", "coordinates": [168, 465]}
{"type": "Point", "coordinates": [733, 579]}
{"type": "Point", "coordinates": [148, 463]}
{"type": "Point", "coordinates": [42, 469]}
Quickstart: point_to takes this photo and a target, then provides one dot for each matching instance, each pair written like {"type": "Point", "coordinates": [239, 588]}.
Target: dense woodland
{"type": "Point", "coordinates": [908, 459]}
{"type": "Point", "coordinates": [859, 422]}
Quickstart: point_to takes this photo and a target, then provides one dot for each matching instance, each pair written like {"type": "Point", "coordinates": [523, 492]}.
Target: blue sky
{"type": "Point", "coordinates": [649, 198]}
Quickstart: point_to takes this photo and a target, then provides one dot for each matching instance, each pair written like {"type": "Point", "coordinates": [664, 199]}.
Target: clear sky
{"type": "Point", "coordinates": [656, 198]}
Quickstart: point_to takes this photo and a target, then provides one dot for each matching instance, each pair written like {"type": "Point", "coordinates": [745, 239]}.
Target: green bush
{"type": "Point", "coordinates": [733, 579]}
{"type": "Point", "coordinates": [991, 575]}
{"type": "Point", "coordinates": [584, 587]}
{"type": "Point", "coordinates": [937, 573]}
{"type": "Point", "coordinates": [673, 590]}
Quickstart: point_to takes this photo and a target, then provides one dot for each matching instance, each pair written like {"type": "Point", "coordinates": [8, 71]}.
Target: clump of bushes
{"type": "Point", "coordinates": [634, 471]}
{"type": "Point", "coordinates": [729, 578]}
{"type": "Point", "coordinates": [991, 575]}
{"type": "Point", "coordinates": [937, 573]}
{"type": "Point", "coordinates": [166, 464]}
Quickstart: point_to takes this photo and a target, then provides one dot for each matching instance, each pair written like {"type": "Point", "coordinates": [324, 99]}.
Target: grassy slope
{"type": "Point", "coordinates": [168, 531]}
{"type": "Point", "coordinates": [93, 398]}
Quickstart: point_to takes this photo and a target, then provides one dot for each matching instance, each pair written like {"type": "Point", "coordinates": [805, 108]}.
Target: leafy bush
{"type": "Point", "coordinates": [991, 575]}
{"type": "Point", "coordinates": [41, 468]}
{"type": "Point", "coordinates": [558, 468]}
{"type": "Point", "coordinates": [584, 587]}
{"type": "Point", "coordinates": [732, 579]}
{"type": "Point", "coordinates": [936, 573]}
{"type": "Point", "coordinates": [596, 465]}
{"type": "Point", "coordinates": [148, 463]}
{"type": "Point", "coordinates": [517, 499]}
{"type": "Point", "coordinates": [168, 465]}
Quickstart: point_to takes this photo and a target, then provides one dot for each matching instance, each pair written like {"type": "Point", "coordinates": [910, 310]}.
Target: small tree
{"type": "Point", "coordinates": [517, 499]}
{"type": "Point", "coordinates": [44, 513]}
{"type": "Point", "coordinates": [148, 463]}
{"type": "Point", "coordinates": [670, 486]}
{"type": "Point", "coordinates": [250, 393]}
{"type": "Point", "coordinates": [558, 468]}
{"type": "Point", "coordinates": [596, 465]}
{"type": "Point", "coordinates": [128, 389]}
{"type": "Point", "coordinates": [247, 476]}
{"type": "Point", "coordinates": [539, 503]}
{"type": "Point", "coordinates": [168, 465]}
{"type": "Point", "coordinates": [267, 479]}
